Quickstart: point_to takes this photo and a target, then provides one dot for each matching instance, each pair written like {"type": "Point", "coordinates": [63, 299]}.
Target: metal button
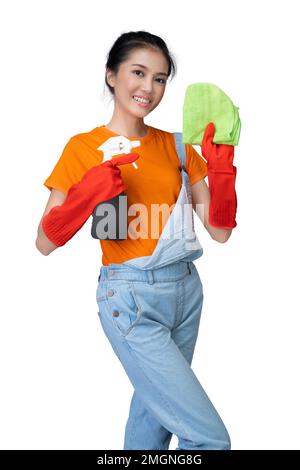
{"type": "Point", "coordinates": [115, 313]}
{"type": "Point", "coordinates": [110, 293]}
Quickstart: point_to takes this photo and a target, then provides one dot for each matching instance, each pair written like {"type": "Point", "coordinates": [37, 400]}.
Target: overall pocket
{"type": "Point", "coordinates": [122, 305]}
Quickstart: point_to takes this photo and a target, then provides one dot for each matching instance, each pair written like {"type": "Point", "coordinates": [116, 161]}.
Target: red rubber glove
{"type": "Point", "coordinates": [100, 183]}
{"type": "Point", "coordinates": [221, 180]}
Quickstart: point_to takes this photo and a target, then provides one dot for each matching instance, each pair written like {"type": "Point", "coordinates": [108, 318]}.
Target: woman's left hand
{"type": "Point", "coordinates": [219, 157]}
{"type": "Point", "coordinates": [221, 180]}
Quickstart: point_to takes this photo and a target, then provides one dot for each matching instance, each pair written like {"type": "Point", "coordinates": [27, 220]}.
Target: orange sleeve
{"type": "Point", "coordinates": [68, 170]}
{"type": "Point", "coordinates": [195, 165]}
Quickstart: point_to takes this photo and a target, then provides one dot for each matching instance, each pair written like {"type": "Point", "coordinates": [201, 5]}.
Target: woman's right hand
{"type": "Point", "coordinates": [103, 182]}
{"type": "Point", "coordinates": [99, 184]}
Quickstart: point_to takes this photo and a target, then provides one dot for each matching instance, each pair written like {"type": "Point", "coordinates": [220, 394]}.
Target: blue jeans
{"type": "Point", "coordinates": [151, 319]}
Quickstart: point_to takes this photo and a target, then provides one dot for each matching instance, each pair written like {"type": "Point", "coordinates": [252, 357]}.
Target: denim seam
{"type": "Point", "coordinates": [179, 303]}
{"type": "Point", "coordinates": [165, 279]}
{"type": "Point", "coordinates": [132, 433]}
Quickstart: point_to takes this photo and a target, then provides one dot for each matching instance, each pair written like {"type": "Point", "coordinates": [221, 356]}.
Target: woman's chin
{"type": "Point", "coordinates": [141, 110]}
{"type": "Point", "coordinates": [141, 113]}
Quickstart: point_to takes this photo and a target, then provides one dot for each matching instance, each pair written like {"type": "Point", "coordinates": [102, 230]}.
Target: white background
{"type": "Point", "coordinates": [62, 387]}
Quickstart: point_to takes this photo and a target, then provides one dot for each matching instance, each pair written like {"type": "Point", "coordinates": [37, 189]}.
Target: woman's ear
{"type": "Point", "coordinates": [110, 77]}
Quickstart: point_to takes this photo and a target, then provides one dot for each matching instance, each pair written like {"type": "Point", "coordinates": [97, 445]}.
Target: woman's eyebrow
{"type": "Point", "coordinates": [144, 67]}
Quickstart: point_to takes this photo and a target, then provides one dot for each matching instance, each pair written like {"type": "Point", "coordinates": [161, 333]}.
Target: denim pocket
{"type": "Point", "coordinates": [122, 303]}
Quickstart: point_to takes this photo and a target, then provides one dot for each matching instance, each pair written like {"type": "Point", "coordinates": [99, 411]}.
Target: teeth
{"type": "Point", "coordinates": [142, 100]}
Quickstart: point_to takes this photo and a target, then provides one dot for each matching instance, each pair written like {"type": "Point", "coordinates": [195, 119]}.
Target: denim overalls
{"type": "Point", "coordinates": [150, 309]}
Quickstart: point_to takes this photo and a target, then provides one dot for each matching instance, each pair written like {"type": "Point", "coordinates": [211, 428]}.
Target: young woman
{"type": "Point", "coordinates": [149, 292]}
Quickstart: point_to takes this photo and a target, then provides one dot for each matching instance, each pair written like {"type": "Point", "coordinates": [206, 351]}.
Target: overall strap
{"type": "Point", "coordinates": [180, 147]}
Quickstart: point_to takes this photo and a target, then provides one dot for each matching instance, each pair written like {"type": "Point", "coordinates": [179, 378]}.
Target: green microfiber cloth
{"type": "Point", "coordinates": [204, 103]}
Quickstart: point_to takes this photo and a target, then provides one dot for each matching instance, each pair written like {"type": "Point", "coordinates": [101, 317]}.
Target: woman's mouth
{"type": "Point", "coordinates": [141, 101]}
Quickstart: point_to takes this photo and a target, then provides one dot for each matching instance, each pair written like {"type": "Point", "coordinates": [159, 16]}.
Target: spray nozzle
{"type": "Point", "coordinates": [118, 145]}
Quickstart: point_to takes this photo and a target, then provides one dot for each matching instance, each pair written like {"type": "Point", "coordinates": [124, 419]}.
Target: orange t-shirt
{"type": "Point", "coordinates": [156, 181]}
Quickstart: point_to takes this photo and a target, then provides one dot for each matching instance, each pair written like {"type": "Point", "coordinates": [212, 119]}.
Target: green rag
{"type": "Point", "coordinates": [204, 103]}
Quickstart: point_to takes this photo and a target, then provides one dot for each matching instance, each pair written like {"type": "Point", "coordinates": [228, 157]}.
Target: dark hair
{"type": "Point", "coordinates": [127, 42]}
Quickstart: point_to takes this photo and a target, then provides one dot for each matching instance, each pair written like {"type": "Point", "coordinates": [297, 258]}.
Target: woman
{"type": "Point", "coordinates": [149, 292]}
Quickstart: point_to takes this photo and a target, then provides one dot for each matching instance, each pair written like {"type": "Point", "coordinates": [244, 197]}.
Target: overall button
{"type": "Point", "coordinates": [115, 313]}
{"type": "Point", "coordinates": [110, 293]}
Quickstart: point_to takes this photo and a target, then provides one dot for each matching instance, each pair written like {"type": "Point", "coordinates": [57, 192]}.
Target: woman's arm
{"type": "Point", "coordinates": [43, 244]}
{"type": "Point", "coordinates": [201, 200]}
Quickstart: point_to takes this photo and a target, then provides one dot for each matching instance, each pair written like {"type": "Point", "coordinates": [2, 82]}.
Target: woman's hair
{"type": "Point", "coordinates": [127, 42]}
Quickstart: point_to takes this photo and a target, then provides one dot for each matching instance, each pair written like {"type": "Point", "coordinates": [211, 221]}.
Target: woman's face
{"type": "Point", "coordinates": [146, 80]}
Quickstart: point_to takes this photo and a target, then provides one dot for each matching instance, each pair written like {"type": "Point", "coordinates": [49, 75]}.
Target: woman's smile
{"type": "Point", "coordinates": [141, 101]}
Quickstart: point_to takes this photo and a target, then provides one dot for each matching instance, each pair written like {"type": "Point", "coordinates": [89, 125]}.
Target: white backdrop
{"type": "Point", "coordinates": [62, 387]}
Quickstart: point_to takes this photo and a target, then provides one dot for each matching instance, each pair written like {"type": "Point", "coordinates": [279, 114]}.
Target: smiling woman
{"type": "Point", "coordinates": [149, 293]}
{"type": "Point", "coordinates": [137, 76]}
{"type": "Point", "coordinates": [137, 92]}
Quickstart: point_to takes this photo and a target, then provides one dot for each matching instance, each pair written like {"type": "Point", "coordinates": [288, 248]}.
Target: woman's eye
{"type": "Point", "coordinates": [162, 81]}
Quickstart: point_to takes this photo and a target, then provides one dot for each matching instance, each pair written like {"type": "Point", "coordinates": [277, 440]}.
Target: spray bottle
{"type": "Point", "coordinates": [113, 211]}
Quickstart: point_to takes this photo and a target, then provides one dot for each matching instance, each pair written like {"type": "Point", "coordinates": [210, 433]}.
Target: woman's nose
{"type": "Point", "coordinates": [147, 86]}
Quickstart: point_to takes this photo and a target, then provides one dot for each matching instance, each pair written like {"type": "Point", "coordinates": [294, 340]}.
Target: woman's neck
{"type": "Point", "coordinates": [128, 127]}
